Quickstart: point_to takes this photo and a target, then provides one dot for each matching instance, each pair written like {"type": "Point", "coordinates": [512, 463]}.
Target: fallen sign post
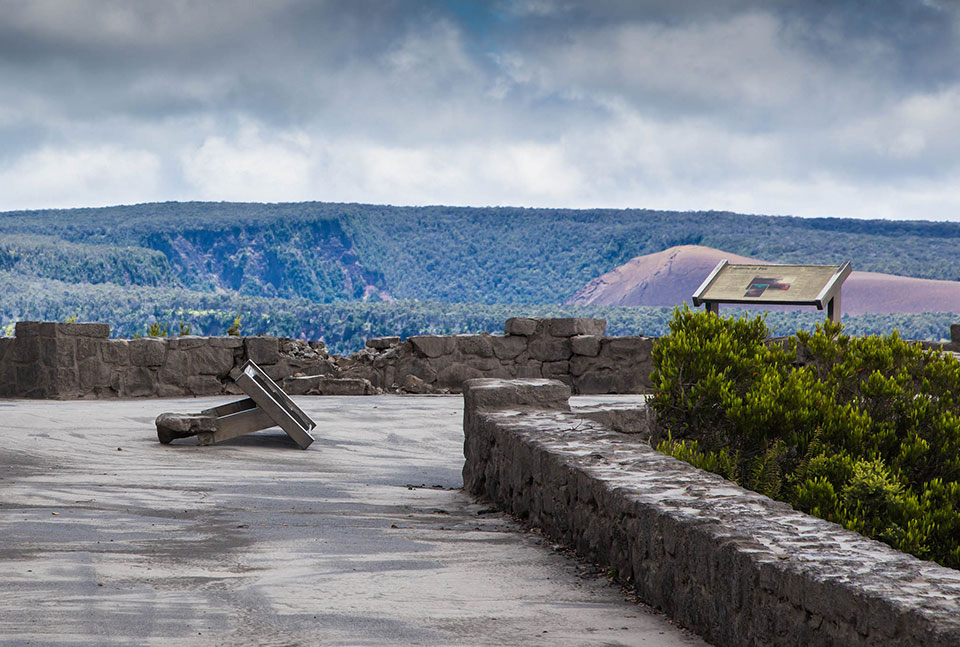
{"type": "Point", "coordinates": [268, 406]}
{"type": "Point", "coordinates": [786, 285]}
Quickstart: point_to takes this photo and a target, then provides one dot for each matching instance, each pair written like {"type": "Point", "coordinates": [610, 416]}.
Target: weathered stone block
{"type": "Point", "coordinates": [227, 341]}
{"type": "Point", "coordinates": [366, 372]}
{"type": "Point", "coordinates": [455, 375]}
{"type": "Point", "coordinates": [610, 381]}
{"type": "Point", "coordinates": [174, 372]}
{"type": "Point", "coordinates": [147, 351]}
{"type": "Point", "coordinates": [210, 360]}
{"type": "Point", "coordinates": [91, 330]}
{"type": "Point", "coordinates": [382, 343]}
{"type": "Point", "coordinates": [485, 365]}
{"type": "Point", "coordinates": [486, 394]}
{"type": "Point", "coordinates": [204, 385]}
{"type": "Point", "coordinates": [92, 374]}
{"type": "Point", "coordinates": [346, 386]}
{"type": "Point", "coordinates": [65, 383]}
{"type": "Point", "coordinates": [433, 345]}
{"type": "Point", "coordinates": [6, 347]}
{"type": "Point", "coordinates": [66, 351]}
{"type": "Point", "coordinates": [88, 347]}
{"type": "Point", "coordinates": [171, 426]}
{"type": "Point", "coordinates": [556, 369]}
{"type": "Point", "coordinates": [955, 333]}
{"type": "Point", "coordinates": [26, 329]}
{"type": "Point", "coordinates": [26, 349]}
{"type": "Point", "coordinates": [413, 384]}
{"type": "Point", "coordinates": [417, 366]}
{"type": "Point", "coordinates": [29, 380]}
{"type": "Point", "coordinates": [550, 349]}
{"type": "Point", "coordinates": [48, 328]}
{"type": "Point", "coordinates": [633, 348]}
{"type": "Point", "coordinates": [569, 327]}
{"type": "Point", "coordinates": [139, 381]}
{"type": "Point", "coordinates": [509, 346]}
{"type": "Point", "coordinates": [587, 345]}
{"type": "Point", "coordinates": [116, 351]}
{"type": "Point", "coordinates": [8, 379]}
{"type": "Point", "coordinates": [323, 385]}
{"type": "Point", "coordinates": [187, 342]}
{"type": "Point", "coordinates": [522, 326]}
{"type": "Point", "coordinates": [262, 351]}
{"type": "Point", "coordinates": [478, 345]}
{"type": "Point", "coordinates": [530, 369]}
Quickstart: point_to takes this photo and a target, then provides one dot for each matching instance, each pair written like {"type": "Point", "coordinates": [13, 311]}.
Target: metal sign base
{"type": "Point", "coordinates": [268, 406]}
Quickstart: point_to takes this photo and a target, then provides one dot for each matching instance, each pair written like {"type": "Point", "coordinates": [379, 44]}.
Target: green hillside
{"type": "Point", "coordinates": [130, 263]}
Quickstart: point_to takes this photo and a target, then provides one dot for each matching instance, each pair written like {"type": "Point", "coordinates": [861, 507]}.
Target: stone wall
{"type": "Point", "coordinates": [573, 351]}
{"type": "Point", "coordinates": [78, 360]}
{"type": "Point", "coordinates": [732, 565]}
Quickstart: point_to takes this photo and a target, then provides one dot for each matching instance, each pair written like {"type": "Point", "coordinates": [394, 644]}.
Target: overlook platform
{"type": "Point", "coordinates": [109, 538]}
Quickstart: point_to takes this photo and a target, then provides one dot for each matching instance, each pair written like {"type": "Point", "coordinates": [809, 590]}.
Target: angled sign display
{"type": "Point", "coordinates": [798, 285]}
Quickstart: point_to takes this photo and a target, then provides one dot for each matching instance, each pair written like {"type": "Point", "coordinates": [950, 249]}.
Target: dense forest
{"type": "Point", "coordinates": [346, 271]}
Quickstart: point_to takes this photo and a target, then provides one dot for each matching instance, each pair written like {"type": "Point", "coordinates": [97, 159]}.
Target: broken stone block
{"type": "Point", "coordinates": [550, 350]}
{"type": "Point", "coordinates": [569, 327]}
{"type": "Point", "coordinates": [147, 351]}
{"type": "Point", "coordinates": [323, 385]}
{"type": "Point", "coordinates": [509, 346]}
{"type": "Point", "coordinates": [433, 345]}
{"type": "Point", "coordinates": [522, 326]}
{"type": "Point", "coordinates": [455, 375]}
{"type": "Point", "coordinates": [210, 360]}
{"type": "Point", "coordinates": [587, 345]}
{"type": "Point", "coordinates": [92, 330]}
{"type": "Point", "coordinates": [413, 384]}
{"type": "Point", "coordinates": [116, 351]}
{"type": "Point", "coordinates": [204, 385]}
{"type": "Point", "coordinates": [478, 345]}
{"type": "Point", "coordinates": [262, 350]}
{"type": "Point", "coordinates": [171, 426]}
{"type": "Point", "coordinates": [382, 343]}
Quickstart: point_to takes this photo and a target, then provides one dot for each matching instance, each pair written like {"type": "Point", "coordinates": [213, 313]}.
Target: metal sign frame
{"type": "Point", "coordinates": [827, 297]}
{"type": "Point", "coordinates": [268, 406]}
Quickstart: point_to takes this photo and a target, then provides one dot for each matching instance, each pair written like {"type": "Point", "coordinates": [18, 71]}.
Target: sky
{"type": "Point", "coordinates": [810, 107]}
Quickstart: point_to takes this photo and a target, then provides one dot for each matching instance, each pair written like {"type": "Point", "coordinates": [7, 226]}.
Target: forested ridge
{"type": "Point", "coordinates": [139, 261]}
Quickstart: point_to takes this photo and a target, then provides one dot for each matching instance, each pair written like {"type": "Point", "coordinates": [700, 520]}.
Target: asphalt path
{"type": "Point", "coordinates": [109, 538]}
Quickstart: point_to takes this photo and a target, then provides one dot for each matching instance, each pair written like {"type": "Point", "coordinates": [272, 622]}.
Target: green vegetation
{"type": "Point", "coordinates": [346, 325]}
{"type": "Point", "coordinates": [326, 270]}
{"type": "Point", "coordinates": [862, 431]}
{"type": "Point", "coordinates": [327, 252]}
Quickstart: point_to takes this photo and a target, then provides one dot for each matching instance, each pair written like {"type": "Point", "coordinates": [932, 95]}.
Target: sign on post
{"type": "Point", "coordinates": [795, 285]}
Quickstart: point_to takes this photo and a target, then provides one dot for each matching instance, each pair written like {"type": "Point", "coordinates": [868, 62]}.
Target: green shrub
{"type": "Point", "coordinates": [863, 431]}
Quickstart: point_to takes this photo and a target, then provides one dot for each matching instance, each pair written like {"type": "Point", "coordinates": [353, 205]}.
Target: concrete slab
{"type": "Point", "coordinates": [109, 538]}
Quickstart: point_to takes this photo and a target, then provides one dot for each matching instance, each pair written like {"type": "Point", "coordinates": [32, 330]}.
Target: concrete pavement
{"type": "Point", "coordinates": [109, 538]}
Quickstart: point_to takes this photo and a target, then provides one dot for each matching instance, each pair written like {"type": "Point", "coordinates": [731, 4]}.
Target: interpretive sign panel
{"type": "Point", "coordinates": [802, 285]}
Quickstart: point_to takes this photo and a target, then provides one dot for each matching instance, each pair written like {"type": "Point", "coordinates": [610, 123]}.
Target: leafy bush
{"type": "Point", "coordinates": [863, 431]}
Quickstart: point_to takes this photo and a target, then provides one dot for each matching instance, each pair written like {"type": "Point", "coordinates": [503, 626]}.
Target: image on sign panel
{"type": "Point", "coordinates": [769, 283]}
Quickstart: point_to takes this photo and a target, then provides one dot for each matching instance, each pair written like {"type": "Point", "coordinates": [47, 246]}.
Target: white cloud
{"type": "Point", "coordinates": [250, 166]}
{"type": "Point", "coordinates": [70, 177]}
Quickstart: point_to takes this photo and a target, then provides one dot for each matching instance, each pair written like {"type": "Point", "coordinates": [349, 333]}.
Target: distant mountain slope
{"type": "Point", "coordinates": [326, 252]}
{"type": "Point", "coordinates": [670, 277]}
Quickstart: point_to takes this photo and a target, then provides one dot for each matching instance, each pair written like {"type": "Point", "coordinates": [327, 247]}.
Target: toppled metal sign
{"type": "Point", "coordinates": [268, 406]}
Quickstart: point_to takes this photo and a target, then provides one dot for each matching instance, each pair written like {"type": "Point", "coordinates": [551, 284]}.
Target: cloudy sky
{"type": "Point", "coordinates": [803, 107]}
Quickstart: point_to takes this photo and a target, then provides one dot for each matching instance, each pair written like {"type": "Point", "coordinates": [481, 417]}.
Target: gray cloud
{"type": "Point", "coordinates": [813, 108]}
